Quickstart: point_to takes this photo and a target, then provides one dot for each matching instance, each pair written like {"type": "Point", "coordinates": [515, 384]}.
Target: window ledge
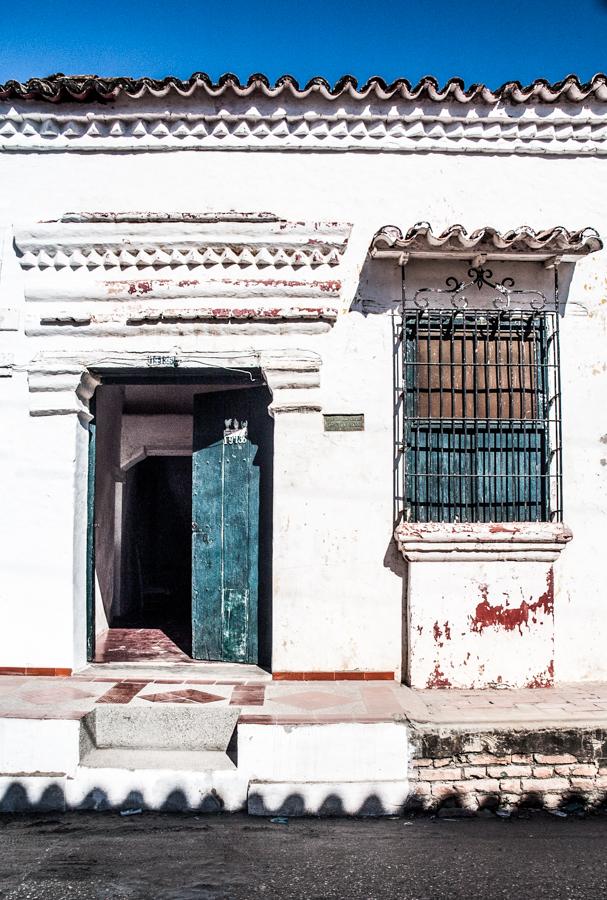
{"type": "Point", "coordinates": [471, 542]}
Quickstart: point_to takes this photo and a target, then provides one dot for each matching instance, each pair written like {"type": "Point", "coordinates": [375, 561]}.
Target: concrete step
{"type": "Point", "coordinates": [170, 728]}
{"type": "Point", "coordinates": [170, 760]}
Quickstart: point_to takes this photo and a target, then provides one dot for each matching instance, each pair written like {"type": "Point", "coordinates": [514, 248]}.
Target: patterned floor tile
{"type": "Point", "coordinates": [188, 695]}
{"type": "Point", "coordinates": [248, 695]}
{"type": "Point", "coordinates": [62, 693]}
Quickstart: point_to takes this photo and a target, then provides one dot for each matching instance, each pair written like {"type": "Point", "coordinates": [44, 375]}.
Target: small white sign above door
{"type": "Point", "coordinates": [162, 361]}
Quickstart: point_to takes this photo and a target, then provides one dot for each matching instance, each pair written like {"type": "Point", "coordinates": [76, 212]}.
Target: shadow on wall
{"type": "Point", "coordinates": [394, 561]}
{"type": "Point", "coordinates": [16, 798]}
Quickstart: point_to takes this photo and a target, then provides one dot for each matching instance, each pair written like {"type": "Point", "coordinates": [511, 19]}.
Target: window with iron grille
{"type": "Point", "coordinates": [481, 416]}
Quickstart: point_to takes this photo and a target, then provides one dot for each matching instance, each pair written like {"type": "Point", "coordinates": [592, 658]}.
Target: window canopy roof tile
{"type": "Point", "coordinates": [455, 242]}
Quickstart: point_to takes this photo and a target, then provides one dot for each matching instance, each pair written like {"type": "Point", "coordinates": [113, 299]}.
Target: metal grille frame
{"type": "Point", "coordinates": [477, 423]}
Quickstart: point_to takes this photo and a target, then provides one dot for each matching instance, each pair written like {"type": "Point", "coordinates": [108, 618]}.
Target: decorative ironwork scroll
{"type": "Point", "coordinates": [480, 277]}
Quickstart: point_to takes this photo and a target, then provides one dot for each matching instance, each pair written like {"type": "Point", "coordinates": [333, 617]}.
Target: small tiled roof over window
{"type": "Point", "coordinates": [420, 240]}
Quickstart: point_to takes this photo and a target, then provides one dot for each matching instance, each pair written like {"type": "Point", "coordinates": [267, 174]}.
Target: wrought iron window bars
{"type": "Point", "coordinates": [478, 423]}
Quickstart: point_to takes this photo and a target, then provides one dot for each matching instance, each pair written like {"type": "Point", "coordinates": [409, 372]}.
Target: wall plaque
{"type": "Point", "coordinates": [348, 422]}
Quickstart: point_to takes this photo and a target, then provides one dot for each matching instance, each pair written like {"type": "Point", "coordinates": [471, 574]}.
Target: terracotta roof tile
{"type": "Point", "coordinates": [90, 88]}
{"type": "Point", "coordinates": [551, 241]}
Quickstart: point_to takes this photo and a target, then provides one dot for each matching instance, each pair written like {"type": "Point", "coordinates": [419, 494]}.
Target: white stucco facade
{"type": "Point", "coordinates": [342, 590]}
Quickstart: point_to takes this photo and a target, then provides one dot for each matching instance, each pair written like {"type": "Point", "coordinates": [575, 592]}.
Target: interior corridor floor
{"type": "Point", "coordinates": [138, 645]}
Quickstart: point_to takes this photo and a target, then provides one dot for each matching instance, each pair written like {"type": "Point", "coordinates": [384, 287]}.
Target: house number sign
{"type": "Point", "coordinates": [162, 361]}
{"type": "Point", "coordinates": [235, 432]}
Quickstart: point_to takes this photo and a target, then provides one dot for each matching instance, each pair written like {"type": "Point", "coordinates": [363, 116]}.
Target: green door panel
{"type": "Point", "coordinates": [225, 524]}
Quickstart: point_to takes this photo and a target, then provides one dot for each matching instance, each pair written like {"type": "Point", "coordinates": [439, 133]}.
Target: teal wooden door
{"type": "Point", "coordinates": [225, 525]}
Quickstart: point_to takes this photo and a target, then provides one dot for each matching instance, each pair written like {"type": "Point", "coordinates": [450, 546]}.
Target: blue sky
{"type": "Point", "coordinates": [479, 40]}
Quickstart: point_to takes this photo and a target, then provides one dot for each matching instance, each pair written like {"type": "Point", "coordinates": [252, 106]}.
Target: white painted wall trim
{"type": "Point", "coordinates": [159, 240]}
{"type": "Point", "coordinates": [101, 275]}
{"type": "Point", "coordinates": [279, 124]}
{"type": "Point", "coordinates": [466, 542]}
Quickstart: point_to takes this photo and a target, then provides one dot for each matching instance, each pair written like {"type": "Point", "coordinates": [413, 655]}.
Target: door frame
{"type": "Point", "coordinates": [140, 376]}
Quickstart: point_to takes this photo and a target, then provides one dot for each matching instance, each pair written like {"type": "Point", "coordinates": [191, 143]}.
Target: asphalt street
{"type": "Point", "coordinates": [105, 856]}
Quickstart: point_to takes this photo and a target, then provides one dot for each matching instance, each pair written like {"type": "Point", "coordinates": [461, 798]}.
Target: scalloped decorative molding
{"type": "Point", "coordinates": [313, 123]}
{"type": "Point", "coordinates": [141, 241]}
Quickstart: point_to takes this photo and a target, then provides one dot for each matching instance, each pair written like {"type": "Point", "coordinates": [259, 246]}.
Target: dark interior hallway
{"type": "Point", "coordinates": [156, 562]}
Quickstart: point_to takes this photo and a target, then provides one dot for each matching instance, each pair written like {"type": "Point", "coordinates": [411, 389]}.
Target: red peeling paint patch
{"type": "Point", "coordinates": [134, 288]}
{"type": "Point", "coordinates": [438, 633]}
{"type": "Point", "coordinates": [544, 679]}
{"type": "Point", "coordinates": [330, 286]}
{"type": "Point", "coordinates": [438, 679]}
{"type": "Point", "coordinates": [503, 528]}
{"type": "Point", "coordinates": [140, 287]}
{"type": "Point", "coordinates": [509, 618]}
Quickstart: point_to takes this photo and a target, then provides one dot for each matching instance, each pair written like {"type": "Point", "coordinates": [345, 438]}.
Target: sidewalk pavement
{"type": "Point", "coordinates": [263, 701]}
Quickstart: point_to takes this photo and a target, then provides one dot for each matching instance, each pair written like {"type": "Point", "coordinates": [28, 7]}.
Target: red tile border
{"type": "Point", "coordinates": [32, 670]}
{"type": "Point", "coordinates": [254, 720]}
{"type": "Point", "coordinates": [333, 676]}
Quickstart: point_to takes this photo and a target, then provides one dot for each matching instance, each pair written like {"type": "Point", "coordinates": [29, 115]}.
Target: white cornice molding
{"type": "Point", "coordinates": [102, 275]}
{"type": "Point", "coordinates": [312, 124]}
{"type": "Point", "coordinates": [154, 241]}
{"type": "Point", "coordinates": [481, 542]}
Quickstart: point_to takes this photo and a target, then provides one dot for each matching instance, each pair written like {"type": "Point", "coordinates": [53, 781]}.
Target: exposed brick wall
{"type": "Point", "coordinates": [472, 770]}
